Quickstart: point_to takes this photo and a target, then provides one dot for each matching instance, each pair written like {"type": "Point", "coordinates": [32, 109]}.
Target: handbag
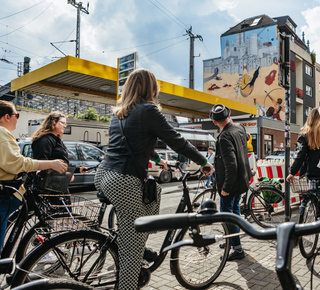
{"type": "Point", "coordinates": [149, 184]}
{"type": "Point", "coordinates": [51, 180]}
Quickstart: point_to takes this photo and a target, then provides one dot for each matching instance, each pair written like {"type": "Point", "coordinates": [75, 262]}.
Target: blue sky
{"type": "Point", "coordinates": [154, 28]}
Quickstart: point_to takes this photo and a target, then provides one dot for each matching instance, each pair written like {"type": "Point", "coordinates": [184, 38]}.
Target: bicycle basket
{"type": "Point", "coordinates": [84, 214]}
{"type": "Point", "coordinates": [299, 185]}
{"type": "Point", "coordinates": [54, 181]}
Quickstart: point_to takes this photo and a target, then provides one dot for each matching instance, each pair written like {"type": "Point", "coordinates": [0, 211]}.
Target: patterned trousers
{"type": "Point", "coordinates": [125, 193]}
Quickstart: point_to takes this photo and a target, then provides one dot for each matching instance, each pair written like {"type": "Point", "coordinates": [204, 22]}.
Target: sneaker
{"type": "Point", "coordinates": [236, 255]}
{"type": "Point", "coordinates": [150, 255]}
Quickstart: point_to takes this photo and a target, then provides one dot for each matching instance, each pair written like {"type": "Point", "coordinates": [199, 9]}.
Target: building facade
{"type": "Point", "coordinates": [248, 71]}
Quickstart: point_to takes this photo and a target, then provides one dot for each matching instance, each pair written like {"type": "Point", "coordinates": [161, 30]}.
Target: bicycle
{"type": "Point", "coordinates": [97, 260]}
{"type": "Point", "coordinates": [264, 202]}
{"type": "Point", "coordinates": [286, 234]}
{"type": "Point", "coordinates": [309, 211]}
{"type": "Point", "coordinates": [45, 215]}
{"type": "Point", "coordinates": [8, 265]}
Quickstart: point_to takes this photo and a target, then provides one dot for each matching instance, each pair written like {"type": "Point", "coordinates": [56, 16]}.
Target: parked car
{"type": "Point", "coordinates": [79, 154]}
{"type": "Point", "coordinates": [172, 157]}
{"type": "Point", "coordinates": [278, 155]}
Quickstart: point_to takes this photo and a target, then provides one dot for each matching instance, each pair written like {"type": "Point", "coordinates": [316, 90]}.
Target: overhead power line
{"type": "Point", "coordinates": [162, 48]}
{"type": "Point", "coordinates": [183, 25]}
{"type": "Point", "coordinates": [21, 10]}
{"type": "Point", "coordinates": [27, 22]}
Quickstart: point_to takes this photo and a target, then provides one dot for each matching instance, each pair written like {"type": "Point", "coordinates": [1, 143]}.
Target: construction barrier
{"type": "Point", "coordinates": [274, 169]}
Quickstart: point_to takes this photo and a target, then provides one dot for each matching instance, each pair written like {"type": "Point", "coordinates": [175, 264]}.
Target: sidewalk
{"type": "Point", "coordinates": [255, 271]}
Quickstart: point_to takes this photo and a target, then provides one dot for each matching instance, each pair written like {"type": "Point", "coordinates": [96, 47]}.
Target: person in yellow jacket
{"type": "Point", "coordinates": [12, 163]}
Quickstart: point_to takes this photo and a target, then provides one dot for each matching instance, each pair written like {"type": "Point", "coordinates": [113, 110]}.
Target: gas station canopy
{"type": "Point", "coordinates": [76, 78]}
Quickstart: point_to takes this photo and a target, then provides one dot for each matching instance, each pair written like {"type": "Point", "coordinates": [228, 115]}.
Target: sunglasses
{"type": "Point", "coordinates": [17, 115]}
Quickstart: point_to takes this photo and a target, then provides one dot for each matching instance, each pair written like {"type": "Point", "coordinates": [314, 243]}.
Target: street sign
{"type": "Point", "coordinates": [126, 65]}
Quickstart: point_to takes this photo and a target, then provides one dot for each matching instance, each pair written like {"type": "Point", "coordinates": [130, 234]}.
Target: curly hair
{"type": "Point", "coordinates": [48, 125]}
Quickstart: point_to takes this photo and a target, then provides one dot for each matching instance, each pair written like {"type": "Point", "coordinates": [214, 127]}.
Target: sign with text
{"type": "Point", "coordinates": [126, 65]}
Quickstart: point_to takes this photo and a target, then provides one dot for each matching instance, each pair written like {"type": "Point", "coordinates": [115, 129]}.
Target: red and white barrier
{"type": "Point", "coordinates": [274, 169]}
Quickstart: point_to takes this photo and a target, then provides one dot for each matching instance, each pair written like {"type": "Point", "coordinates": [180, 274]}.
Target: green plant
{"type": "Point", "coordinates": [313, 57]}
{"type": "Point", "coordinates": [104, 119]}
{"type": "Point", "coordinates": [90, 114]}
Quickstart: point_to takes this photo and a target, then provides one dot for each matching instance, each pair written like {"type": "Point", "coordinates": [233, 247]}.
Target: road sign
{"type": "Point", "coordinates": [126, 65]}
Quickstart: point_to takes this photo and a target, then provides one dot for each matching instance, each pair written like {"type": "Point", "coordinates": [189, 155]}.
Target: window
{"type": "Point", "coordinates": [319, 87]}
{"type": "Point", "coordinates": [72, 152]}
{"type": "Point", "coordinates": [308, 70]}
{"type": "Point", "coordinates": [256, 21]}
{"type": "Point", "coordinates": [90, 152]}
{"type": "Point", "coordinates": [308, 90]}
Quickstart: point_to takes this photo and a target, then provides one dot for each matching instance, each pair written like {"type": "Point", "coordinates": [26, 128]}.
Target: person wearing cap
{"type": "Point", "coordinates": [232, 169]}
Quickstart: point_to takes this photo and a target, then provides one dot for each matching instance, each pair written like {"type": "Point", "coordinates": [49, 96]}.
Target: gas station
{"type": "Point", "coordinates": [76, 78]}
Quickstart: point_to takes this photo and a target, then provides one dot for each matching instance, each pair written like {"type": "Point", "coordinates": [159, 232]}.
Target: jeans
{"type": "Point", "coordinates": [210, 179]}
{"type": "Point", "coordinates": [232, 204]}
{"type": "Point", "coordinates": [8, 204]}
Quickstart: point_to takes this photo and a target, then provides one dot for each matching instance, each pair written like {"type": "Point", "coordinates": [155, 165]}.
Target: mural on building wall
{"type": "Point", "coordinates": [247, 71]}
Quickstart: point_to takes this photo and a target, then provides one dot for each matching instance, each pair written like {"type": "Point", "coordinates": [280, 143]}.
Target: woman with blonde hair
{"type": "Point", "coordinates": [308, 157]}
{"type": "Point", "coordinates": [135, 126]}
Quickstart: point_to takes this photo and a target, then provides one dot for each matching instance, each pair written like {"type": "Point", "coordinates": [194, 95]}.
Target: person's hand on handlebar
{"type": "Point", "coordinates": [163, 164]}
{"type": "Point", "coordinates": [290, 178]}
{"type": "Point", "coordinates": [207, 169]}
{"type": "Point", "coordinates": [83, 169]}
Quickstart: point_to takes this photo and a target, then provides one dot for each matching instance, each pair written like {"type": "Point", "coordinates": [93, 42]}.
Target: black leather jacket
{"type": "Point", "coordinates": [307, 161]}
{"type": "Point", "coordinates": [144, 124]}
{"type": "Point", "coordinates": [232, 169]}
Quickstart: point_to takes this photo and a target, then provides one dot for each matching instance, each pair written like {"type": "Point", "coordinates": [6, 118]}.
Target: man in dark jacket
{"type": "Point", "coordinates": [232, 169]}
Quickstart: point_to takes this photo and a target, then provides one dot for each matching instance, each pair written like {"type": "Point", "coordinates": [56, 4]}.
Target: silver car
{"type": "Point", "coordinates": [79, 154]}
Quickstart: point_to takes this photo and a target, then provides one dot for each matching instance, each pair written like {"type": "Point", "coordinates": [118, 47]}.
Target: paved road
{"type": "Point", "coordinates": [255, 271]}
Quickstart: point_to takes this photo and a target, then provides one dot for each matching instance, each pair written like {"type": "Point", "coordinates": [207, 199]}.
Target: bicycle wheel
{"type": "Point", "coordinates": [309, 213]}
{"type": "Point", "coordinates": [197, 268]}
{"type": "Point", "coordinates": [31, 239]}
{"type": "Point", "coordinates": [86, 256]}
{"type": "Point", "coordinates": [52, 284]}
{"type": "Point", "coordinates": [209, 193]}
{"type": "Point", "coordinates": [266, 206]}
{"type": "Point", "coordinates": [202, 181]}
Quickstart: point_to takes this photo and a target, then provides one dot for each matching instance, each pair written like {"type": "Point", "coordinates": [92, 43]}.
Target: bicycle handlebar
{"type": "Point", "coordinates": [184, 220]}
{"type": "Point", "coordinates": [177, 166]}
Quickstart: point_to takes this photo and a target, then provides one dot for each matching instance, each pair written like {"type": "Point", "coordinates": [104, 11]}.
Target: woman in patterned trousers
{"type": "Point", "coordinates": [135, 126]}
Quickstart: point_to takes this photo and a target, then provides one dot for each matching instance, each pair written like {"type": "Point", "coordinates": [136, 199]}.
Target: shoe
{"type": "Point", "coordinates": [150, 255]}
{"type": "Point", "coordinates": [236, 255]}
{"type": "Point", "coordinates": [222, 246]}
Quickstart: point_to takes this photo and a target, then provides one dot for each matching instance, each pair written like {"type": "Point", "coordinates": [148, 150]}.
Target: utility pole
{"type": "Point", "coordinates": [284, 81]}
{"type": "Point", "coordinates": [80, 8]}
{"type": "Point", "coordinates": [191, 68]}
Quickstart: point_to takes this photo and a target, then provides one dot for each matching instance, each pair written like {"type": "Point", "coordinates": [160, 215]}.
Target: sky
{"type": "Point", "coordinates": [156, 29]}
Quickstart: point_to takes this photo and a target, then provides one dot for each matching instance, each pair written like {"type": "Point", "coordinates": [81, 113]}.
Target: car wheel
{"type": "Point", "coordinates": [165, 176]}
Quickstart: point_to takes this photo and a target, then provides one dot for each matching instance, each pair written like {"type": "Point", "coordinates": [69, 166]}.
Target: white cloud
{"type": "Point", "coordinates": [312, 28]}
